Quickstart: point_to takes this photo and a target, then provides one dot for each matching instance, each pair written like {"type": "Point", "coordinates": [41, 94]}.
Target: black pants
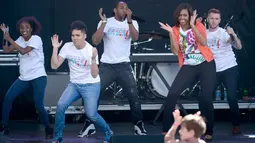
{"type": "Point", "coordinates": [229, 79]}
{"type": "Point", "coordinates": [187, 76]}
{"type": "Point", "coordinates": [122, 73]}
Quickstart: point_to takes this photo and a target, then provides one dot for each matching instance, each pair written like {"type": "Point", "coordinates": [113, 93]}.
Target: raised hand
{"type": "Point", "coordinates": [94, 53]}
{"type": "Point", "coordinates": [166, 27]}
{"type": "Point", "coordinates": [129, 14]}
{"type": "Point", "coordinates": [177, 117]}
{"type": "Point", "coordinates": [101, 15]}
{"type": "Point", "coordinates": [193, 18]}
{"type": "Point", "coordinates": [55, 42]}
{"type": "Point", "coordinates": [3, 27]}
{"type": "Point", "coordinates": [230, 30]}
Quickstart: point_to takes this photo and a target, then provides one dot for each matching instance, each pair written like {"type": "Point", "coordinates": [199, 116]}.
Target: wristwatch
{"type": "Point", "coordinates": [129, 22]}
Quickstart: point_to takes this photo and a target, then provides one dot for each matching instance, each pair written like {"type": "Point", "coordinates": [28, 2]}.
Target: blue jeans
{"type": "Point", "coordinates": [20, 86]}
{"type": "Point", "coordinates": [90, 94]}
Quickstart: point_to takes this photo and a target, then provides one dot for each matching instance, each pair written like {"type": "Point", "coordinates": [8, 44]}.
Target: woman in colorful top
{"type": "Point", "coordinates": [188, 41]}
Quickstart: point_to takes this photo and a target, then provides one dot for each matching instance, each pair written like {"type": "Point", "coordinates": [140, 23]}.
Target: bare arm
{"type": "Point", "coordinates": [133, 32]}
{"type": "Point", "coordinates": [174, 46]}
{"type": "Point", "coordinates": [56, 60]}
{"type": "Point", "coordinates": [7, 49]}
{"type": "Point", "coordinates": [99, 34]}
{"type": "Point", "coordinates": [201, 39]}
{"type": "Point", "coordinates": [94, 68]}
{"type": "Point", "coordinates": [236, 42]}
{"type": "Point", "coordinates": [170, 136]}
{"type": "Point", "coordinates": [21, 50]}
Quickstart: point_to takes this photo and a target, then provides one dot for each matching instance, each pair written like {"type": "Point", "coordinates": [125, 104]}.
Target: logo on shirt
{"type": "Point", "coordinates": [120, 32]}
{"type": "Point", "coordinates": [79, 61]}
{"type": "Point", "coordinates": [215, 42]}
{"type": "Point", "coordinates": [188, 43]}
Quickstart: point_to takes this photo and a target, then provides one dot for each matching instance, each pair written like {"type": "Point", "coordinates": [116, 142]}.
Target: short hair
{"type": "Point", "coordinates": [118, 2]}
{"type": "Point", "coordinates": [178, 11]}
{"type": "Point", "coordinates": [33, 22]}
{"type": "Point", "coordinates": [214, 10]}
{"type": "Point", "coordinates": [78, 25]}
{"type": "Point", "coordinates": [196, 123]}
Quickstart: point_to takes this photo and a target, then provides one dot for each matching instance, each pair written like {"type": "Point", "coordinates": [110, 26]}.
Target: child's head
{"type": "Point", "coordinates": [192, 126]}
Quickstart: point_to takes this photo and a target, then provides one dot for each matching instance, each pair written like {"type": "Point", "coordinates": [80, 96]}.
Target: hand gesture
{"type": "Point", "coordinates": [3, 28]}
{"type": "Point", "coordinates": [54, 41]}
{"type": "Point", "coordinates": [230, 30]}
{"type": "Point", "coordinates": [199, 19]}
{"type": "Point", "coordinates": [7, 36]}
{"type": "Point", "coordinates": [177, 117]}
{"type": "Point", "coordinates": [129, 14]}
{"type": "Point", "coordinates": [193, 18]}
{"type": "Point", "coordinates": [101, 15]}
{"type": "Point", "coordinates": [94, 53]}
{"type": "Point", "coordinates": [166, 27]}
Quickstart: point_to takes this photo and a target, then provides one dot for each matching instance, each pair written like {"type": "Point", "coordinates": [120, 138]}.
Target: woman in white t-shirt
{"type": "Point", "coordinates": [31, 68]}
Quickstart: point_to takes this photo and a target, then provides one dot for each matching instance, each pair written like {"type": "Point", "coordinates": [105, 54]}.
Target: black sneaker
{"type": "Point", "coordinates": [87, 130]}
{"type": "Point", "coordinates": [59, 140]}
{"type": "Point", "coordinates": [4, 129]}
{"type": "Point", "coordinates": [48, 133]}
{"type": "Point", "coordinates": [139, 128]}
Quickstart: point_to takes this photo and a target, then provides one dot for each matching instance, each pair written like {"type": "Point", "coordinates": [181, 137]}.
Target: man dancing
{"type": "Point", "coordinates": [84, 80]}
{"type": "Point", "coordinates": [221, 41]}
{"type": "Point", "coordinates": [117, 33]}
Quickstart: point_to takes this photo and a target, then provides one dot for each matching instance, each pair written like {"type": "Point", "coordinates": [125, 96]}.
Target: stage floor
{"type": "Point", "coordinates": [30, 132]}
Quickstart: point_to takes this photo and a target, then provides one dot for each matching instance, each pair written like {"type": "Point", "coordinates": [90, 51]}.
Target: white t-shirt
{"type": "Point", "coordinates": [222, 50]}
{"type": "Point", "coordinates": [189, 48]}
{"type": "Point", "coordinates": [31, 64]}
{"type": "Point", "coordinates": [79, 61]}
{"type": "Point", "coordinates": [117, 41]}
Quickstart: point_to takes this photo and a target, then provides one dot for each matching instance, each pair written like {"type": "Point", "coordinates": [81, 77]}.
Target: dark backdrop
{"type": "Point", "coordinates": [56, 16]}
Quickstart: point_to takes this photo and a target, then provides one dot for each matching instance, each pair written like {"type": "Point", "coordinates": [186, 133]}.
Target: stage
{"type": "Point", "coordinates": [31, 132]}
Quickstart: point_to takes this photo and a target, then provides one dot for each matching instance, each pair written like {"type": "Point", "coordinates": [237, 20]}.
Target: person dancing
{"type": "Point", "coordinates": [31, 68]}
{"type": "Point", "coordinates": [84, 79]}
{"type": "Point", "coordinates": [188, 41]}
{"type": "Point", "coordinates": [117, 33]}
{"type": "Point", "coordinates": [221, 41]}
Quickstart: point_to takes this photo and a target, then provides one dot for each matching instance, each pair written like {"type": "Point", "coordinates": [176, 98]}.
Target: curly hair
{"type": "Point", "coordinates": [178, 11]}
{"type": "Point", "coordinates": [33, 22]}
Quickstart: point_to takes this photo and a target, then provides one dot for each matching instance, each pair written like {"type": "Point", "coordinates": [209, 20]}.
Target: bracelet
{"type": "Point", "coordinates": [104, 21]}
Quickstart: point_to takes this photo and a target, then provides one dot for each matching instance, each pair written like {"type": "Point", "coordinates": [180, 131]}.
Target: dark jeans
{"type": "Point", "coordinates": [20, 86]}
{"type": "Point", "coordinates": [187, 76]}
{"type": "Point", "coordinates": [122, 73]}
{"type": "Point", "coordinates": [229, 79]}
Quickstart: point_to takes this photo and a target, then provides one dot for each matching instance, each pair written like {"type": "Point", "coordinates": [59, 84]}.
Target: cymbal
{"type": "Point", "coordinates": [154, 35]}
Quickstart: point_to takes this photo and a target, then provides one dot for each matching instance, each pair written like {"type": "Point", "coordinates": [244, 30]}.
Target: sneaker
{"type": "Point", "coordinates": [88, 130]}
{"type": "Point", "coordinates": [236, 130]}
{"type": "Point", "coordinates": [108, 136]}
{"type": "Point", "coordinates": [59, 140]}
{"type": "Point", "coordinates": [139, 129]}
{"type": "Point", "coordinates": [4, 129]}
{"type": "Point", "coordinates": [48, 133]}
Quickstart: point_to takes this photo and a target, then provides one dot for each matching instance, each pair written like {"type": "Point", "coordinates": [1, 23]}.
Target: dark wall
{"type": "Point", "coordinates": [57, 15]}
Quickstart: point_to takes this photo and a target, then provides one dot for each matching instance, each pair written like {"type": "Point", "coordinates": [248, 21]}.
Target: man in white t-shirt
{"type": "Point", "coordinates": [84, 79]}
{"type": "Point", "coordinates": [117, 33]}
{"type": "Point", "coordinates": [221, 41]}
